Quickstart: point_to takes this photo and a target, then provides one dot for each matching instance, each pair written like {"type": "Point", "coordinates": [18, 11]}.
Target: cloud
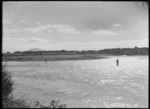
{"type": "Point", "coordinates": [105, 32]}
{"type": "Point", "coordinates": [20, 4]}
{"type": "Point", "coordinates": [71, 45]}
{"type": "Point", "coordinates": [12, 30]}
{"type": "Point", "coordinates": [38, 23]}
{"type": "Point", "coordinates": [11, 39]}
{"type": "Point", "coordinates": [14, 41]}
{"type": "Point", "coordinates": [60, 28]}
{"type": "Point", "coordinates": [144, 42]}
{"type": "Point", "coordinates": [22, 43]}
{"type": "Point", "coordinates": [50, 31]}
{"type": "Point", "coordinates": [6, 21]}
{"type": "Point", "coordinates": [23, 21]}
{"type": "Point", "coordinates": [38, 29]}
{"type": "Point", "coordinates": [67, 29]}
{"type": "Point", "coordinates": [116, 25]}
{"type": "Point", "coordinates": [35, 39]}
{"type": "Point", "coordinates": [30, 40]}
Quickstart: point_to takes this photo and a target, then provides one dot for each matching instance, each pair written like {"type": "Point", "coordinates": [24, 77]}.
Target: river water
{"type": "Point", "coordinates": [84, 83]}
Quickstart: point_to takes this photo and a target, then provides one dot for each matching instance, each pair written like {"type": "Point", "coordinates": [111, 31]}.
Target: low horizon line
{"type": "Point", "coordinates": [74, 50]}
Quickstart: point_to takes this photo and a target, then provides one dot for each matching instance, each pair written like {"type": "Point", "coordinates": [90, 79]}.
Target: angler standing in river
{"type": "Point", "coordinates": [117, 62]}
{"type": "Point", "coordinates": [45, 60]}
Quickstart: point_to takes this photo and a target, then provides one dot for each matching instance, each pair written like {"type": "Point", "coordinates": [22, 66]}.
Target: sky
{"type": "Point", "coordinates": [73, 25]}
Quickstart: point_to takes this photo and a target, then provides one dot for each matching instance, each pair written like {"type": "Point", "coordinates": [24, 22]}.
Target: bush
{"type": "Point", "coordinates": [7, 83]}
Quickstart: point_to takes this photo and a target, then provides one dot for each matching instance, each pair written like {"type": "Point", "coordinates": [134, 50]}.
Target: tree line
{"type": "Point", "coordinates": [112, 51]}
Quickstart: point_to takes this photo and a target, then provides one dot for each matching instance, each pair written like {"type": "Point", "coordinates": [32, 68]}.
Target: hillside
{"type": "Point", "coordinates": [34, 49]}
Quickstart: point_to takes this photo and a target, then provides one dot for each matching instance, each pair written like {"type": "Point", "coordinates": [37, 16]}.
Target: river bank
{"type": "Point", "coordinates": [54, 57]}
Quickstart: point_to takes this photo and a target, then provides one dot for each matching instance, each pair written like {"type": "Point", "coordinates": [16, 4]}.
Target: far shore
{"type": "Point", "coordinates": [60, 57]}
{"type": "Point", "coordinates": [54, 57]}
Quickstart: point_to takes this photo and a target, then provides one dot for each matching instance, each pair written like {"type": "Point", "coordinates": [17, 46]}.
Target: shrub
{"type": "Point", "coordinates": [7, 83]}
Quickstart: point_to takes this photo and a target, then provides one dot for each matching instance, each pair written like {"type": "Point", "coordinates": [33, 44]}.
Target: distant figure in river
{"type": "Point", "coordinates": [45, 60]}
{"type": "Point", "coordinates": [117, 62]}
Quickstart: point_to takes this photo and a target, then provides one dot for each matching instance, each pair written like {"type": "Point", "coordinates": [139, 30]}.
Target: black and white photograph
{"type": "Point", "coordinates": [75, 54]}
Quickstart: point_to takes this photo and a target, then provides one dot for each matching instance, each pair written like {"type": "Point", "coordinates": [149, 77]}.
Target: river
{"type": "Point", "coordinates": [84, 83]}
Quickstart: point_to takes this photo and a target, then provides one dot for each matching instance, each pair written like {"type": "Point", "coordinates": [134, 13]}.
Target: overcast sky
{"type": "Point", "coordinates": [73, 25]}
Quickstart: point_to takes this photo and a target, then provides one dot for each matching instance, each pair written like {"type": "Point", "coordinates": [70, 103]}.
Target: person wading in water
{"type": "Point", "coordinates": [117, 62]}
{"type": "Point", "coordinates": [45, 60]}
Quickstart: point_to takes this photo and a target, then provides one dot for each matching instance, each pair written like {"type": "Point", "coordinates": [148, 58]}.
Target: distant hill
{"type": "Point", "coordinates": [35, 49]}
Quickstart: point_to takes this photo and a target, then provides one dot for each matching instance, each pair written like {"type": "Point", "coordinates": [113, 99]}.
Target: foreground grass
{"type": "Point", "coordinates": [8, 100]}
{"type": "Point", "coordinates": [11, 102]}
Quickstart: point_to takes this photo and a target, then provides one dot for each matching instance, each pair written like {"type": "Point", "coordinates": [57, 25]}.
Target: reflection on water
{"type": "Point", "coordinates": [85, 83]}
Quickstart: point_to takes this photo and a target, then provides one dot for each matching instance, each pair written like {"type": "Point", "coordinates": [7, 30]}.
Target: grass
{"type": "Point", "coordinates": [9, 101]}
